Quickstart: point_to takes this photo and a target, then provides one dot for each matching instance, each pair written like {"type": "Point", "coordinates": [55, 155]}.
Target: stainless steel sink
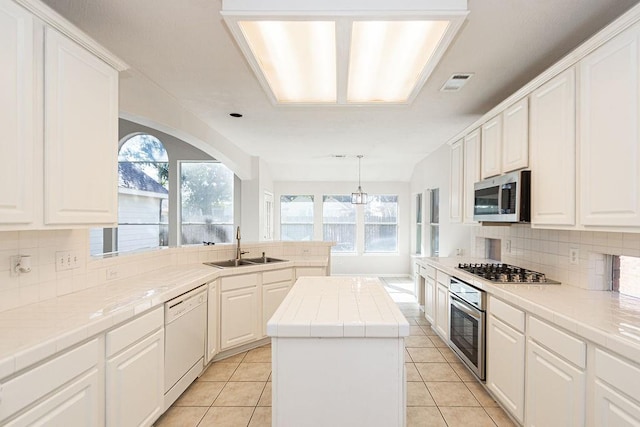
{"type": "Point", "coordinates": [243, 262]}
{"type": "Point", "coordinates": [230, 263]}
{"type": "Point", "coordinates": [263, 260]}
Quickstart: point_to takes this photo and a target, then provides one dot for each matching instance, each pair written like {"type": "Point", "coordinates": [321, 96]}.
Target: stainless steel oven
{"type": "Point", "coordinates": [467, 324]}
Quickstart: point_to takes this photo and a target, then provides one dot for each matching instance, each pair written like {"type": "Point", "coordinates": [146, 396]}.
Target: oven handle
{"type": "Point", "coordinates": [462, 306]}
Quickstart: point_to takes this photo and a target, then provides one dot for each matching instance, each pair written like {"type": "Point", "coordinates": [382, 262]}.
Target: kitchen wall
{"type": "Point", "coordinates": [44, 282]}
{"type": "Point", "coordinates": [546, 251]}
{"type": "Point", "coordinates": [366, 264]}
{"type": "Point", "coordinates": [430, 173]}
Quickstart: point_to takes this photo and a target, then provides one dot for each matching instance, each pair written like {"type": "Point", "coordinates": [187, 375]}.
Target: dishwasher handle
{"type": "Point", "coordinates": [178, 307]}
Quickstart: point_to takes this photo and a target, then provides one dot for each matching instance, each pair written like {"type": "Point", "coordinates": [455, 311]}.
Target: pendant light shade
{"type": "Point", "coordinates": [359, 197]}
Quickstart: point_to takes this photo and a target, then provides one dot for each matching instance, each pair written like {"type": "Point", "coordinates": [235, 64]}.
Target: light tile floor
{"type": "Point", "coordinates": [440, 390]}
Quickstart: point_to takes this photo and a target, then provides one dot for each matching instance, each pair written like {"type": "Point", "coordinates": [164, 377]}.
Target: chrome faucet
{"type": "Point", "coordinates": [239, 252]}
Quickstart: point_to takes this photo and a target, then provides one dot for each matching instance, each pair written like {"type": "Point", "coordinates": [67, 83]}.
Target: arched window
{"type": "Point", "coordinates": [143, 196]}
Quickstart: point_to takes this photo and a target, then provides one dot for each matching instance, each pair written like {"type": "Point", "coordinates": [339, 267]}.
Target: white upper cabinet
{"type": "Point", "coordinates": [609, 93]}
{"type": "Point", "coordinates": [515, 136]}
{"type": "Point", "coordinates": [16, 115]}
{"type": "Point", "coordinates": [59, 118]}
{"type": "Point", "coordinates": [471, 172]}
{"type": "Point", "coordinates": [81, 134]}
{"type": "Point", "coordinates": [553, 168]}
{"type": "Point", "coordinates": [492, 147]}
{"type": "Point", "coordinates": [456, 182]}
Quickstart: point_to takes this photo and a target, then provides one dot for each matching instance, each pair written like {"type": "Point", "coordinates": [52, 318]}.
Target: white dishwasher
{"type": "Point", "coordinates": [185, 319]}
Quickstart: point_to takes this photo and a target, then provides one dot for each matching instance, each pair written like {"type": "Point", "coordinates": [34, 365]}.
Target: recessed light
{"type": "Point", "coordinates": [235, 115]}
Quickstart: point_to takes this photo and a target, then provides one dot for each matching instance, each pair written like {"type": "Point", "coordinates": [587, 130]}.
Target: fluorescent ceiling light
{"type": "Point", "coordinates": [344, 52]}
{"type": "Point", "coordinates": [298, 58]}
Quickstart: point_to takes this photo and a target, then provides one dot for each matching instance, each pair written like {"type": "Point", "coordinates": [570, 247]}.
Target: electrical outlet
{"type": "Point", "coordinates": [574, 256]}
{"type": "Point", "coordinates": [507, 246]}
{"type": "Point", "coordinates": [112, 273]}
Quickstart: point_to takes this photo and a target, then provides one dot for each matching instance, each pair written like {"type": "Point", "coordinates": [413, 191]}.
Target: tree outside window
{"type": "Point", "coordinates": [206, 203]}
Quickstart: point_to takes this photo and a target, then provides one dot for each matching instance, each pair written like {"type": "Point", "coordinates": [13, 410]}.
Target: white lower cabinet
{"type": "Point", "coordinates": [616, 391]}
{"type": "Point", "coordinates": [506, 357]}
{"type": "Point", "coordinates": [213, 311]}
{"type": "Point", "coordinates": [556, 377]}
{"type": "Point", "coordinates": [238, 310]}
{"type": "Point", "coordinates": [135, 371]}
{"type": "Point", "coordinates": [275, 286]}
{"type": "Point", "coordinates": [429, 299]}
{"type": "Point", "coordinates": [442, 311]}
{"type": "Point", "coordinates": [67, 390]}
{"type": "Point", "coordinates": [135, 390]}
{"type": "Point", "coordinates": [75, 405]}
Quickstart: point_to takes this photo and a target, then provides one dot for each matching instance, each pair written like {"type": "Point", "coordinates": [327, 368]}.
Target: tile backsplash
{"type": "Point", "coordinates": [44, 282]}
{"type": "Point", "coordinates": [548, 251]}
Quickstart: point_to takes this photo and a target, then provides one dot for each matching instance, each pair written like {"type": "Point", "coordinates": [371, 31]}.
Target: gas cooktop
{"type": "Point", "coordinates": [505, 273]}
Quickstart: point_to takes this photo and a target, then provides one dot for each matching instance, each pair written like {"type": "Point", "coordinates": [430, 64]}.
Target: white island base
{"type": "Point", "coordinates": [338, 355]}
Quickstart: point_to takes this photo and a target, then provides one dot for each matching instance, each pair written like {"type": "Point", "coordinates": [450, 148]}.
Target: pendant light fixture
{"type": "Point", "coordinates": [359, 197]}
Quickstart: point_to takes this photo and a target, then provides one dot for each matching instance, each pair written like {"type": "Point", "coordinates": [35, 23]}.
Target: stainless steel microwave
{"type": "Point", "coordinates": [504, 198]}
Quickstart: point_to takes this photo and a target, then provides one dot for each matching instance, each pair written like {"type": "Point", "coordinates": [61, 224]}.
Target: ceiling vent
{"type": "Point", "coordinates": [455, 82]}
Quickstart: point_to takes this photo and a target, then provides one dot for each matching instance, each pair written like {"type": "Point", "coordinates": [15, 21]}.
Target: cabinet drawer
{"type": "Point", "coordinates": [508, 314]}
{"type": "Point", "coordinates": [620, 374]}
{"type": "Point", "coordinates": [19, 392]}
{"type": "Point", "coordinates": [277, 276]}
{"type": "Point", "coordinates": [429, 271]}
{"type": "Point", "coordinates": [238, 282]}
{"type": "Point", "coordinates": [127, 334]}
{"type": "Point", "coordinates": [443, 279]}
{"type": "Point", "coordinates": [565, 345]}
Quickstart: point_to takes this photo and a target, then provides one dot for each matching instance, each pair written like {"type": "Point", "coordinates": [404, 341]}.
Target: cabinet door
{"type": "Point", "coordinates": [17, 166]}
{"type": "Point", "coordinates": [613, 408]}
{"type": "Point", "coordinates": [555, 390]}
{"type": "Point", "coordinates": [456, 182]}
{"type": "Point", "coordinates": [429, 299]}
{"type": "Point", "coordinates": [135, 389]}
{"type": "Point", "coordinates": [238, 317]}
{"type": "Point", "coordinates": [442, 311]}
{"type": "Point", "coordinates": [505, 366]}
{"type": "Point", "coordinates": [471, 172]}
{"type": "Point", "coordinates": [515, 137]}
{"type": "Point", "coordinates": [553, 167]}
{"type": "Point", "coordinates": [81, 135]}
{"type": "Point", "coordinates": [212, 321]}
{"type": "Point", "coordinates": [272, 297]}
{"type": "Point", "coordinates": [492, 147]}
{"type": "Point", "coordinates": [78, 404]}
{"type": "Point", "coordinates": [609, 133]}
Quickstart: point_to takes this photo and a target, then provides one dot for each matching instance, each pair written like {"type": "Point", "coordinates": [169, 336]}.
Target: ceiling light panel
{"type": "Point", "coordinates": [297, 58]}
{"type": "Point", "coordinates": [387, 58]}
{"type": "Point", "coordinates": [343, 52]}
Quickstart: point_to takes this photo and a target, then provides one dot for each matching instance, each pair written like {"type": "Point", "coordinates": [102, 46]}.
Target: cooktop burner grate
{"type": "Point", "coordinates": [506, 273]}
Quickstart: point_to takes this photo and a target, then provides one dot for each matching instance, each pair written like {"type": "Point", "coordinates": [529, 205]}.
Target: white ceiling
{"type": "Point", "coordinates": [185, 47]}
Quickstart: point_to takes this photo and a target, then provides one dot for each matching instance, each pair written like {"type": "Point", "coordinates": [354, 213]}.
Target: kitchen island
{"type": "Point", "coordinates": [338, 355]}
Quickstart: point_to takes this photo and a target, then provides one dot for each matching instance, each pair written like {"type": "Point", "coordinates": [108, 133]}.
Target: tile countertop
{"type": "Point", "coordinates": [608, 319]}
{"type": "Point", "coordinates": [34, 332]}
{"type": "Point", "coordinates": [339, 307]}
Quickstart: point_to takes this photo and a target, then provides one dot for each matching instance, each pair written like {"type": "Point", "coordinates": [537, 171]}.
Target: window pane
{"type": "Point", "coordinates": [96, 241]}
{"type": "Point", "coordinates": [381, 219]}
{"type": "Point", "coordinates": [143, 175]}
{"type": "Point", "coordinates": [435, 240]}
{"type": "Point", "coordinates": [207, 203]}
{"type": "Point", "coordinates": [626, 275]}
{"type": "Point", "coordinates": [435, 206]}
{"type": "Point", "coordinates": [419, 239]}
{"type": "Point", "coordinates": [339, 223]}
{"type": "Point", "coordinates": [419, 224]}
{"type": "Point", "coordinates": [296, 217]}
